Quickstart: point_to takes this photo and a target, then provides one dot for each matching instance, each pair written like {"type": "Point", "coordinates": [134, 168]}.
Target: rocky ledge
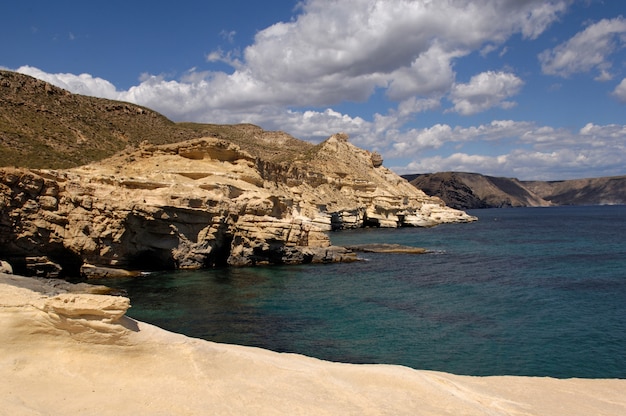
{"type": "Point", "coordinates": [202, 203]}
{"type": "Point", "coordinates": [67, 351]}
{"type": "Point", "coordinates": [386, 248]}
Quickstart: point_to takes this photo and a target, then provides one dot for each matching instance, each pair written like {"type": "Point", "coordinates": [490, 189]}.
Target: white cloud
{"type": "Point", "coordinates": [587, 50]}
{"type": "Point", "coordinates": [484, 91]}
{"type": "Point", "coordinates": [413, 143]}
{"type": "Point", "coordinates": [316, 124]}
{"type": "Point", "coordinates": [620, 91]}
{"type": "Point", "coordinates": [429, 74]}
{"type": "Point", "coordinates": [84, 84]}
{"type": "Point", "coordinates": [601, 135]}
{"type": "Point", "coordinates": [537, 152]}
{"type": "Point", "coordinates": [228, 35]}
{"type": "Point", "coordinates": [525, 165]}
{"type": "Point", "coordinates": [337, 51]}
{"type": "Point", "coordinates": [344, 50]}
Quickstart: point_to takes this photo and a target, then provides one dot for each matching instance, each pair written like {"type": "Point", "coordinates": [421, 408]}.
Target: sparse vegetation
{"type": "Point", "coordinates": [42, 126]}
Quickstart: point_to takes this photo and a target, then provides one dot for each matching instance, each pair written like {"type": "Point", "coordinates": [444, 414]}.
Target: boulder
{"type": "Point", "coordinates": [5, 267]}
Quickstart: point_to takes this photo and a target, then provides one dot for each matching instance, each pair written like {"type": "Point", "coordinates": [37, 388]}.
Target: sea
{"type": "Point", "coordinates": [522, 291]}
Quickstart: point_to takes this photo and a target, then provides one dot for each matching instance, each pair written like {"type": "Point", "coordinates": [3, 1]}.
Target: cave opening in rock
{"type": "Point", "coordinates": [69, 261]}
{"type": "Point", "coordinates": [220, 252]}
{"type": "Point", "coordinates": [152, 260]}
{"type": "Point", "coordinates": [370, 222]}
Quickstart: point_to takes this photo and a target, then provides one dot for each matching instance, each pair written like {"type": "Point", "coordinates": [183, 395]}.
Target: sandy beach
{"type": "Point", "coordinates": [66, 350]}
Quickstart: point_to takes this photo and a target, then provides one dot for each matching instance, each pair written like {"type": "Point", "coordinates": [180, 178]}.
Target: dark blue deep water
{"type": "Point", "coordinates": [525, 291]}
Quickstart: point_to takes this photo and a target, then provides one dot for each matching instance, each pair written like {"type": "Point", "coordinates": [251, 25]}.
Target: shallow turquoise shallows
{"type": "Point", "coordinates": [525, 291]}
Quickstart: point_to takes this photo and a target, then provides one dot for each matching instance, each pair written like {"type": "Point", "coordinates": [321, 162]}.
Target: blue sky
{"type": "Point", "coordinates": [527, 89]}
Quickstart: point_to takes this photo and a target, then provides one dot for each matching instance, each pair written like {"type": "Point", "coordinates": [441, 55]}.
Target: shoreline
{"type": "Point", "coordinates": [65, 349]}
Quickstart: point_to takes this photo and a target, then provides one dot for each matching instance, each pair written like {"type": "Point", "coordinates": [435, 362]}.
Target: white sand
{"type": "Point", "coordinates": [75, 354]}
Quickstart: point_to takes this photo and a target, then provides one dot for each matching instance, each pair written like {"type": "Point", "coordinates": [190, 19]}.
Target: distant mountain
{"type": "Point", "coordinates": [472, 190]}
{"type": "Point", "coordinates": [592, 191]}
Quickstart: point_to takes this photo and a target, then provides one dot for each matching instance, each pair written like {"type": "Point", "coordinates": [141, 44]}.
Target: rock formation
{"type": "Point", "coordinates": [67, 351]}
{"type": "Point", "coordinates": [201, 203]}
{"type": "Point", "coordinates": [238, 196]}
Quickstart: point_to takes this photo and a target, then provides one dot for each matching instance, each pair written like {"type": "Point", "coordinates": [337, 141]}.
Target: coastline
{"type": "Point", "coordinates": [65, 349]}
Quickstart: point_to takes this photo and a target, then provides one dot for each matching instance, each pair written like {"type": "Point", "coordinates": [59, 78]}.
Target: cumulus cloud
{"type": "Point", "coordinates": [334, 52]}
{"type": "Point", "coordinates": [537, 152]}
{"type": "Point", "coordinates": [344, 50]}
{"type": "Point", "coordinates": [84, 84]}
{"type": "Point", "coordinates": [484, 91]}
{"type": "Point", "coordinates": [587, 50]}
{"type": "Point", "coordinates": [414, 142]}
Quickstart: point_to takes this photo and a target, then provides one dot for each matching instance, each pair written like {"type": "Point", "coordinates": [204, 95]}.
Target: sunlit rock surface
{"type": "Point", "coordinates": [202, 203]}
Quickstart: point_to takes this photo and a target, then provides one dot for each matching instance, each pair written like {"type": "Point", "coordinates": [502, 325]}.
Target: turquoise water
{"type": "Point", "coordinates": [525, 291]}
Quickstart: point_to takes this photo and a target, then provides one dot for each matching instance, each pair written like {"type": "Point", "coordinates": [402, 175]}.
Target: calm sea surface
{"type": "Point", "coordinates": [525, 291]}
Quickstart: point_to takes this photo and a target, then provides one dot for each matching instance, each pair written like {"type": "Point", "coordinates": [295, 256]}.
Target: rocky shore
{"type": "Point", "coordinates": [202, 203]}
{"type": "Point", "coordinates": [67, 350]}
{"type": "Point", "coordinates": [98, 188]}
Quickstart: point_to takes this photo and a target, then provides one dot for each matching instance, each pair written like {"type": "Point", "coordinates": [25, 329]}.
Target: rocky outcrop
{"type": "Point", "coordinates": [201, 203]}
{"type": "Point", "coordinates": [5, 267]}
{"type": "Point", "coordinates": [63, 352]}
{"type": "Point", "coordinates": [81, 311]}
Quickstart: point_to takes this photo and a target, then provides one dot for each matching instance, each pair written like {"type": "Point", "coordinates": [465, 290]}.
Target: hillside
{"type": "Point", "coordinates": [42, 126]}
{"type": "Point", "coordinates": [592, 191]}
{"type": "Point", "coordinates": [472, 190]}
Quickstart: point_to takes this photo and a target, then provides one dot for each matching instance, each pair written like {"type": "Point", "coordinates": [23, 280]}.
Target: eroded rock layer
{"type": "Point", "coordinates": [202, 203]}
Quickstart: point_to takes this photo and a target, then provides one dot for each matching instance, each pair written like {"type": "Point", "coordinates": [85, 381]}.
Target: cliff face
{"type": "Point", "coordinates": [239, 195]}
{"type": "Point", "coordinates": [201, 203]}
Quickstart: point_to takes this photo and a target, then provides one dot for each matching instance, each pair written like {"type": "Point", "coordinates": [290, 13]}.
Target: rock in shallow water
{"type": "Point", "coordinates": [387, 248]}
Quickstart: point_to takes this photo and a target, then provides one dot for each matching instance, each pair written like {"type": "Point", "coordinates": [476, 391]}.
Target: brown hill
{"type": "Point", "coordinates": [473, 190]}
{"type": "Point", "coordinates": [591, 191]}
{"type": "Point", "coordinates": [42, 126]}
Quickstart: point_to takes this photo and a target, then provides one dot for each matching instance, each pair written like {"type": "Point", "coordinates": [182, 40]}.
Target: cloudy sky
{"type": "Point", "coordinates": [517, 88]}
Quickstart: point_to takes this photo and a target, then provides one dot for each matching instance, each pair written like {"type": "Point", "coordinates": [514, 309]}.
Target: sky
{"type": "Point", "coordinates": [534, 90]}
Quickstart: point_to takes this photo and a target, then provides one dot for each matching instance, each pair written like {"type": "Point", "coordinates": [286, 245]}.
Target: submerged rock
{"type": "Point", "coordinates": [387, 248]}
